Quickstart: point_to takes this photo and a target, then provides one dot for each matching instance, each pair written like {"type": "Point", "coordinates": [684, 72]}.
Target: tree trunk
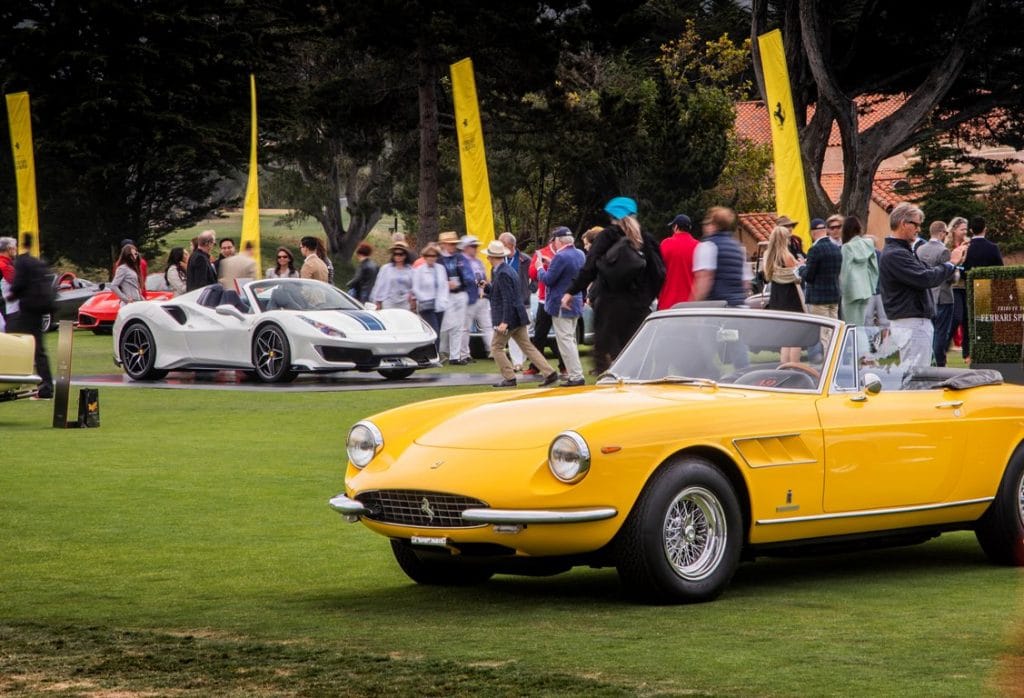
{"type": "Point", "coordinates": [864, 152]}
{"type": "Point", "coordinates": [427, 228]}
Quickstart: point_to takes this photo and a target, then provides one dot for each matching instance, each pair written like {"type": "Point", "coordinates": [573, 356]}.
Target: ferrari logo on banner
{"type": "Point", "coordinates": [476, 188]}
{"type": "Point", "coordinates": [250, 242]}
{"type": "Point", "coordinates": [20, 122]}
{"type": "Point", "coordinates": [790, 191]}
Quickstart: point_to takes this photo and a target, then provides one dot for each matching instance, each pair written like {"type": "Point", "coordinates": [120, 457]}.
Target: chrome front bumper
{"type": "Point", "coordinates": [352, 510]}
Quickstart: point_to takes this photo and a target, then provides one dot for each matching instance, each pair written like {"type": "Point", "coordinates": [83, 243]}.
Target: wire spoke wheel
{"type": "Point", "coordinates": [695, 533]}
{"type": "Point", "coordinates": [1020, 498]}
{"type": "Point", "coordinates": [682, 541]}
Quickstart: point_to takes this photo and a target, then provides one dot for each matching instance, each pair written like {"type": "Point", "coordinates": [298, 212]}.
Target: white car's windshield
{"type": "Point", "coordinates": [730, 348]}
{"type": "Point", "coordinates": [292, 294]}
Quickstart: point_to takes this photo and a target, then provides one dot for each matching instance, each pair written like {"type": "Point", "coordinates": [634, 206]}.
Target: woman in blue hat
{"type": "Point", "coordinates": [627, 266]}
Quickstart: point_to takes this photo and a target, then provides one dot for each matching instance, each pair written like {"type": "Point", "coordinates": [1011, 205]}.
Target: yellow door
{"type": "Point", "coordinates": [904, 446]}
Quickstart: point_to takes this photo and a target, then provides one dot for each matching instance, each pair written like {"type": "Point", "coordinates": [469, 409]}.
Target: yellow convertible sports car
{"type": "Point", "coordinates": [17, 366]}
{"type": "Point", "coordinates": [697, 450]}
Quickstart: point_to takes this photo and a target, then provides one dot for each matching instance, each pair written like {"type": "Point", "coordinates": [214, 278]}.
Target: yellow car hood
{"type": "Point", "coordinates": [532, 419]}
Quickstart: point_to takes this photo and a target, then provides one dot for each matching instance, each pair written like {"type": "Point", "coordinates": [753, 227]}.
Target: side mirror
{"type": "Point", "coordinates": [872, 384]}
{"type": "Point", "coordinates": [369, 306]}
{"type": "Point", "coordinates": [230, 310]}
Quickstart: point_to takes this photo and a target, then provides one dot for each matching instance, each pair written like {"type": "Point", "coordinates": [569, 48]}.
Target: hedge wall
{"type": "Point", "coordinates": [995, 314]}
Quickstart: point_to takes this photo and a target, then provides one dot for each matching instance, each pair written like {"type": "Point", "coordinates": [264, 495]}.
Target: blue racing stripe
{"type": "Point", "coordinates": [367, 320]}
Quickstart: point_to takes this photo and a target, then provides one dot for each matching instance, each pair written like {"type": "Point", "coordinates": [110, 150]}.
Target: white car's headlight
{"type": "Point", "coordinates": [364, 442]}
{"type": "Point", "coordinates": [569, 457]}
{"type": "Point", "coordinates": [321, 327]}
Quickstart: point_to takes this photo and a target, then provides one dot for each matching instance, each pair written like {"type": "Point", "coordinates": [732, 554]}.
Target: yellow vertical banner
{"type": "Point", "coordinates": [19, 119]}
{"type": "Point", "coordinates": [790, 190]}
{"type": "Point", "coordinates": [476, 188]}
{"type": "Point", "coordinates": [250, 242]}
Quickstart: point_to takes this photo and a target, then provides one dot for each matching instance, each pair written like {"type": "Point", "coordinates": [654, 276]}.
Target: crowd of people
{"type": "Point", "coordinates": [905, 281]}
{"type": "Point", "coordinates": [909, 281]}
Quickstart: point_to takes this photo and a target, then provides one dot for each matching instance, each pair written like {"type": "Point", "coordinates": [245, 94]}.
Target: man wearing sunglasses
{"type": "Point", "coordinates": [906, 284]}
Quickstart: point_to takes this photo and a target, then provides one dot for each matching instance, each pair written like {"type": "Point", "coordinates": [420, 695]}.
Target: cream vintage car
{"type": "Point", "coordinates": [697, 450]}
{"type": "Point", "coordinates": [17, 366]}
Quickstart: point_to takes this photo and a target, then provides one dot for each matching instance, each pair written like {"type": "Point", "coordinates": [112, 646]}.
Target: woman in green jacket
{"type": "Point", "coordinates": [859, 274]}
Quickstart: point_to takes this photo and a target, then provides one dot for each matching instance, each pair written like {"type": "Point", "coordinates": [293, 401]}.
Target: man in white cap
{"type": "Point", "coordinates": [511, 320]}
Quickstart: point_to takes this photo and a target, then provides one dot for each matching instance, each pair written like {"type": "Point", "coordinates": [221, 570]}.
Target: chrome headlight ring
{"type": "Point", "coordinates": [569, 457]}
{"type": "Point", "coordinates": [364, 442]}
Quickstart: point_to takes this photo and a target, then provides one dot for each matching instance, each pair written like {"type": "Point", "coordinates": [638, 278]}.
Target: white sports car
{"type": "Point", "coordinates": [274, 328]}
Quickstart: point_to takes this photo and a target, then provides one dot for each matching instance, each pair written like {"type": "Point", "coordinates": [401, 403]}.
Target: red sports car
{"type": "Point", "coordinates": [99, 312]}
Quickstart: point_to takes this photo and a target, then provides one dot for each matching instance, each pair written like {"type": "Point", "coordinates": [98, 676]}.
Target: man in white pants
{"type": "Point", "coordinates": [478, 308]}
{"type": "Point", "coordinates": [459, 279]}
{"type": "Point", "coordinates": [906, 284]}
{"type": "Point", "coordinates": [565, 312]}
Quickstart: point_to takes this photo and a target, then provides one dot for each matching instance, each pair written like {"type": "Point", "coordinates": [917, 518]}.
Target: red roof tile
{"type": "Point", "coordinates": [752, 120]}
{"type": "Point", "coordinates": [759, 225]}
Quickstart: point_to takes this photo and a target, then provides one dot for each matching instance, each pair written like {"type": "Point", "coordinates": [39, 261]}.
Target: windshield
{"type": "Point", "coordinates": [293, 294]}
{"type": "Point", "coordinates": [729, 349]}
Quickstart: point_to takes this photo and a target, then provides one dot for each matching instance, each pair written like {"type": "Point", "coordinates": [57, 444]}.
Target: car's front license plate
{"type": "Point", "coordinates": [437, 542]}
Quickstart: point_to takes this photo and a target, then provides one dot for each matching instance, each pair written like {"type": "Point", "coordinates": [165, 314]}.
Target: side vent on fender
{"type": "Point", "coordinates": [175, 312]}
{"type": "Point", "coordinates": [776, 449]}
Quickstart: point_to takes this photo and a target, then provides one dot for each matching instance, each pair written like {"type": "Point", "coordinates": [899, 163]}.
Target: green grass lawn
{"type": "Point", "coordinates": [186, 548]}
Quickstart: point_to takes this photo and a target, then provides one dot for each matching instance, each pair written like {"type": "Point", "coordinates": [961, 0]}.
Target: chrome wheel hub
{"type": "Point", "coordinates": [135, 347]}
{"type": "Point", "coordinates": [694, 533]}
{"type": "Point", "coordinates": [269, 351]}
{"type": "Point", "coordinates": [1020, 498]}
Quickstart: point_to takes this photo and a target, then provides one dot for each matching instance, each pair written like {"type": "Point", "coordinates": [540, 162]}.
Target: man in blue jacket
{"type": "Point", "coordinates": [557, 278]}
{"type": "Point", "coordinates": [511, 320]}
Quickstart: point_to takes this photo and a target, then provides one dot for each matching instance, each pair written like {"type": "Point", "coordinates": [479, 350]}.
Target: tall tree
{"type": "Point", "coordinates": [952, 63]}
{"type": "Point", "coordinates": [139, 112]}
{"type": "Point", "coordinates": [340, 130]}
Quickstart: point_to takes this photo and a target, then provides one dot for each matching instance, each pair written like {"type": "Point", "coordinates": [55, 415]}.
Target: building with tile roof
{"type": "Point", "coordinates": [753, 122]}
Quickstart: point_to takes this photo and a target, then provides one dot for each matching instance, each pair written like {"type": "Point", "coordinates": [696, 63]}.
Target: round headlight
{"type": "Point", "coordinates": [569, 457]}
{"type": "Point", "coordinates": [364, 441]}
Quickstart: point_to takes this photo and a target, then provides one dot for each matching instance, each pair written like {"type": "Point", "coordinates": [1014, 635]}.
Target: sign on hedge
{"type": "Point", "coordinates": [995, 302]}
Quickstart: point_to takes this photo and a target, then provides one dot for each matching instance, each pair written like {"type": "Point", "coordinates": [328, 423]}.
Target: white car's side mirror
{"type": "Point", "coordinates": [369, 306]}
{"type": "Point", "coordinates": [230, 310]}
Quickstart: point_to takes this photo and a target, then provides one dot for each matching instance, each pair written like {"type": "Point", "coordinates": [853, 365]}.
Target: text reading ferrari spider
{"type": "Point", "coordinates": [697, 450]}
{"type": "Point", "coordinates": [274, 328]}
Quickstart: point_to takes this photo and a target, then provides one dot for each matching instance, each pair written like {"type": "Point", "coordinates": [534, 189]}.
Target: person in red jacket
{"type": "Point", "coordinates": [542, 321]}
{"type": "Point", "coordinates": [677, 252]}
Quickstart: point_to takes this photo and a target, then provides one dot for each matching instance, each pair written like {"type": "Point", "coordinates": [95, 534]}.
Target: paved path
{"type": "Point", "coordinates": [330, 382]}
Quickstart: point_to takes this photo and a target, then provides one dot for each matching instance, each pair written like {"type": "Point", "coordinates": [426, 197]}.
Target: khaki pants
{"type": "Point", "coordinates": [521, 336]}
{"type": "Point", "coordinates": [565, 335]}
{"type": "Point", "coordinates": [829, 310]}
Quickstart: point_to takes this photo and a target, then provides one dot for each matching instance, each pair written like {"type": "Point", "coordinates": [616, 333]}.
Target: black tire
{"type": "Point", "coordinates": [1000, 531]}
{"type": "Point", "coordinates": [394, 374]}
{"type": "Point", "coordinates": [137, 351]}
{"type": "Point", "coordinates": [439, 571]}
{"type": "Point", "coordinates": [271, 355]}
{"type": "Point", "coordinates": [683, 539]}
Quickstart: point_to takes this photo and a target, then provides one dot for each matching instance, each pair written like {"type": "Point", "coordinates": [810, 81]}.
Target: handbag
{"type": "Point", "coordinates": [427, 304]}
